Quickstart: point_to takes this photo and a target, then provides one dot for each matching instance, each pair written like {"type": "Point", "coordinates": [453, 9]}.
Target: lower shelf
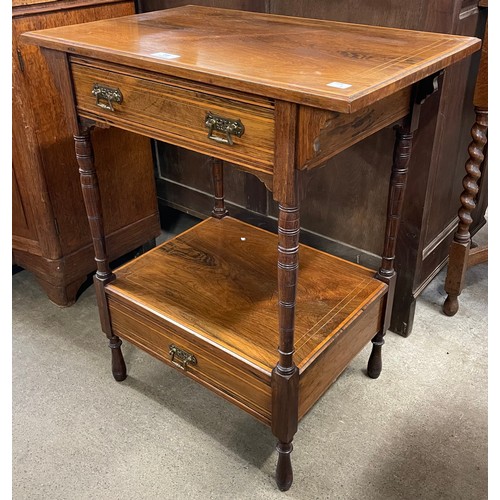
{"type": "Point", "coordinates": [212, 292]}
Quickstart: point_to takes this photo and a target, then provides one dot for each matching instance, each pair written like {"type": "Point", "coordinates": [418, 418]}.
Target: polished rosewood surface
{"type": "Point", "coordinates": [333, 65]}
{"type": "Point", "coordinates": [225, 302]}
{"type": "Point", "coordinates": [218, 279]}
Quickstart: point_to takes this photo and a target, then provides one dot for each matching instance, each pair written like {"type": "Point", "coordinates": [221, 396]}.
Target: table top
{"type": "Point", "coordinates": [327, 64]}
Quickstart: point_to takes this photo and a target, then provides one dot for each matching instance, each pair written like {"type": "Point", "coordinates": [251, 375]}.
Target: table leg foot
{"type": "Point", "coordinates": [284, 473]}
{"type": "Point", "coordinates": [375, 362]}
{"type": "Point", "coordinates": [450, 306]}
{"type": "Point", "coordinates": [118, 367]}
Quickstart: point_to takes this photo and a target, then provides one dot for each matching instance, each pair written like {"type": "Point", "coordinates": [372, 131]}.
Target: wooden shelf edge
{"type": "Point", "coordinates": [346, 308]}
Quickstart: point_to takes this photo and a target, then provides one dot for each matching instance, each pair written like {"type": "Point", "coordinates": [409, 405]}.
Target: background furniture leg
{"type": "Point", "coordinates": [461, 256]}
{"type": "Point", "coordinates": [460, 246]}
{"type": "Point", "coordinates": [63, 295]}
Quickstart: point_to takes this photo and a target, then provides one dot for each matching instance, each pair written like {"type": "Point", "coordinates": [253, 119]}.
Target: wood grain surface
{"type": "Point", "coordinates": [326, 368]}
{"type": "Point", "coordinates": [336, 66]}
{"type": "Point", "coordinates": [175, 111]}
{"type": "Point", "coordinates": [17, 3]}
{"type": "Point", "coordinates": [230, 377]}
{"type": "Point", "coordinates": [219, 281]}
{"type": "Point", "coordinates": [346, 202]}
{"type": "Point", "coordinates": [212, 291]}
{"type": "Point", "coordinates": [324, 134]}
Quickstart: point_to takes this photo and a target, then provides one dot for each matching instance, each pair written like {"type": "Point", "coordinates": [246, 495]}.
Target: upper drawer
{"type": "Point", "coordinates": [176, 111]}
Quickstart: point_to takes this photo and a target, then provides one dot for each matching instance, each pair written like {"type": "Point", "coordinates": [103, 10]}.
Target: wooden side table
{"type": "Point", "coordinates": [462, 256]}
{"type": "Point", "coordinates": [276, 96]}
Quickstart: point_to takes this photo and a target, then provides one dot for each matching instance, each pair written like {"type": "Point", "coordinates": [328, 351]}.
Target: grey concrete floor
{"type": "Point", "coordinates": [419, 431]}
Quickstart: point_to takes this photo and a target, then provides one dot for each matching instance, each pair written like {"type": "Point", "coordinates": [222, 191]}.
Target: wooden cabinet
{"type": "Point", "coordinates": [346, 215]}
{"type": "Point", "coordinates": [51, 237]}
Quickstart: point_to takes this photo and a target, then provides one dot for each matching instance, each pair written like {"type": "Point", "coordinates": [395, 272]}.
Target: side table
{"type": "Point", "coordinates": [276, 96]}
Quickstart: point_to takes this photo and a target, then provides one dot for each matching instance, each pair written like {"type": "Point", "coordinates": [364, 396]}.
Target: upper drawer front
{"type": "Point", "coordinates": [176, 112]}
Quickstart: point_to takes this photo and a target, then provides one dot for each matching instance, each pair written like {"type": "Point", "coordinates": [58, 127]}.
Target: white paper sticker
{"type": "Point", "coordinates": [339, 85]}
{"type": "Point", "coordinates": [165, 55]}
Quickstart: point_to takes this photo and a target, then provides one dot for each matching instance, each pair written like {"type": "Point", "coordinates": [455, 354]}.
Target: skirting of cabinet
{"type": "Point", "coordinates": [62, 278]}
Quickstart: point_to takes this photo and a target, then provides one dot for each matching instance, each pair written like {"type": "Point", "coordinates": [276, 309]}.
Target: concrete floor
{"type": "Point", "coordinates": [419, 431]}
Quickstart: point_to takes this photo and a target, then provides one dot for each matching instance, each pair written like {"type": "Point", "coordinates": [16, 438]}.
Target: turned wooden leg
{"type": "Point", "coordinates": [285, 376]}
{"type": "Point", "coordinates": [284, 471]}
{"type": "Point", "coordinates": [375, 360]}
{"type": "Point", "coordinates": [219, 211]}
{"type": "Point", "coordinates": [386, 273]}
{"type": "Point", "coordinates": [460, 247]}
{"type": "Point", "coordinates": [285, 409]}
{"type": "Point", "coordinates": [92, 200]}
{"type": "Point", "coordinates": [118, 367]}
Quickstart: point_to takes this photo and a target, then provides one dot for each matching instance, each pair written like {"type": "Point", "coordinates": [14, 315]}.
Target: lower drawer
{"type": "Point", "coordinates": [244, 385]}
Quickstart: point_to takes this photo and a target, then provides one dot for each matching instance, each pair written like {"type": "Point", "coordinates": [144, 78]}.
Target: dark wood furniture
{"type": "Point", "coordinates": [212, 302]}
{"type": "Point", "coordinates": [462, 256]}
{"type": "Point", "coordinates": [345, 216]}
{"type": "Point", "coordinates": [50, 233]}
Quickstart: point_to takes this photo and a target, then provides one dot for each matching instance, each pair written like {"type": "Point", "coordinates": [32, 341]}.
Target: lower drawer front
{"type": "Point", "coordinates": [177, 114]}
{"type": "Point", "coordinates": [229, 377]}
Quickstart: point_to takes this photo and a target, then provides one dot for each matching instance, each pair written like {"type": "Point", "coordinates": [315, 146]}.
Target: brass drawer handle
{"type": "Point", "coordinates": [183, 356]}
{"type": "Point", "coordinates": [224, 125]}
{"type": "Point", "coordinates": [107, 94]}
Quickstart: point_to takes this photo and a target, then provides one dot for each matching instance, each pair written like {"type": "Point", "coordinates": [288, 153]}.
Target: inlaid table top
{"type": "Point", "coordinates": [332, 65]}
